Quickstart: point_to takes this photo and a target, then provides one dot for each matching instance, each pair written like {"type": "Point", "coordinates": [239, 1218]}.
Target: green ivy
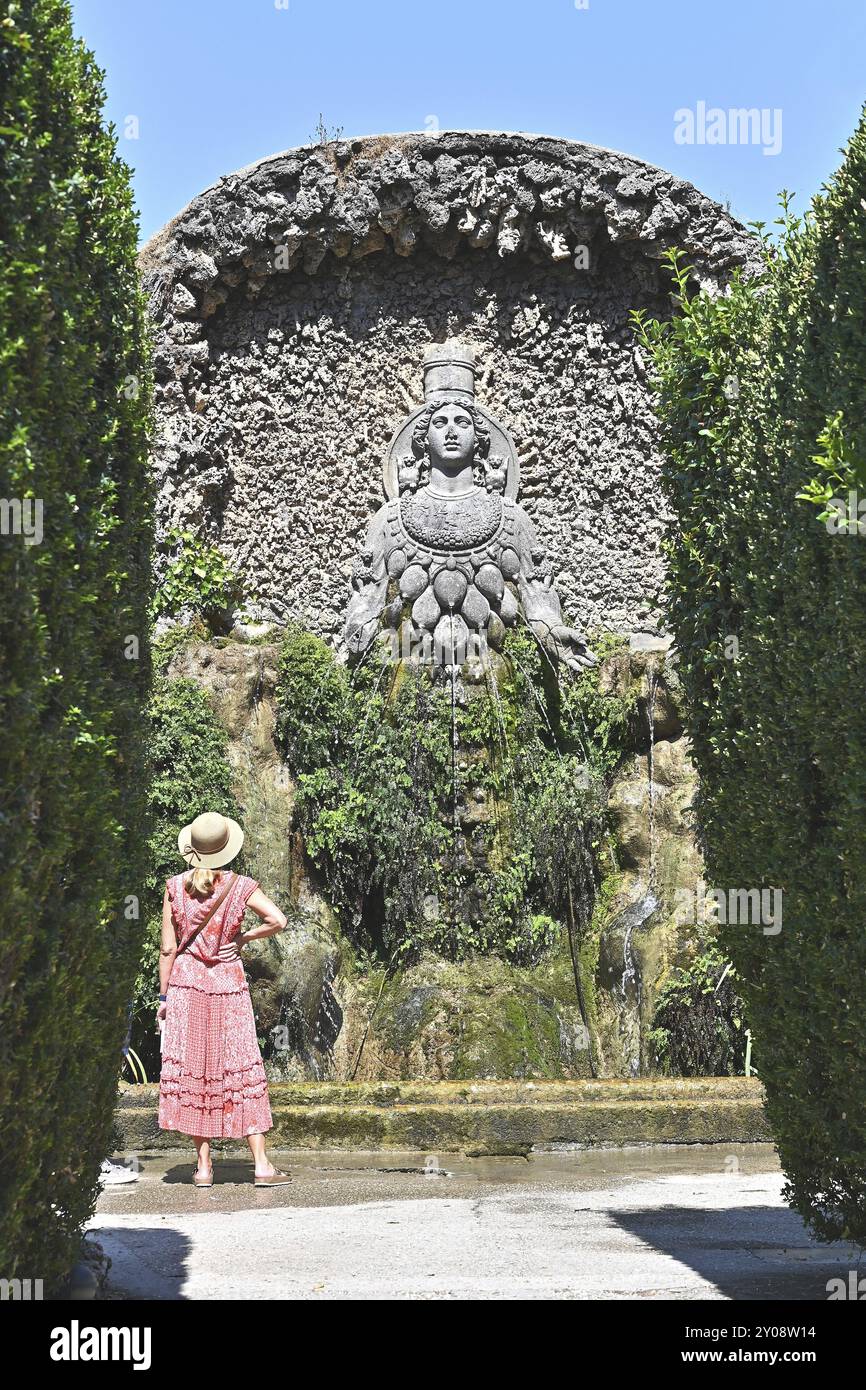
{"type": "Point", "coordinates": [768, 606]}
{"type": "Point", "coordinates": [198, 581]}
{"type": "Point", "coordinates": [388, 759]}
{"type": "Point", "coordinates": [74, 416]}
{"type": "Point", "coordinates": [698, 1026]}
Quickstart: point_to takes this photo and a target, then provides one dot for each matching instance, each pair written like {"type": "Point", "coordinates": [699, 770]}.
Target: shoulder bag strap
{"type": "Point", "coordinates": [210, 912]}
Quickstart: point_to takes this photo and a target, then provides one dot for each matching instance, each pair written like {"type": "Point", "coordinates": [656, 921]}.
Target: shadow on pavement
{"type": "Point", "coordinates": [147, 1262]}
{"type": "Point", "coordinates": [718, 1243]}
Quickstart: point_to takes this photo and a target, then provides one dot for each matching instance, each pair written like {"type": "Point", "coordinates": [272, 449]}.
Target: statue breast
{"type": "Point", "coordinates": [451, 524]}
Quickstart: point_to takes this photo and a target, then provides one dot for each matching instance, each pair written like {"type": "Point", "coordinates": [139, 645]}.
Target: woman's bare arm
{"type": "Point", "coordinates": [274, 920]}
{"type": "Point", "coordinates": [168, 945]}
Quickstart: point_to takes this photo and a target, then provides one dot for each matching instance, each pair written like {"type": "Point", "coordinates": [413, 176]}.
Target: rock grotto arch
{"type": "Point", "coordinates": [293, 302]}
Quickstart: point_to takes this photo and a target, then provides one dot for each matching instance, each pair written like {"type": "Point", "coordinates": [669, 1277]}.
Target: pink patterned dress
{"type": "Point", "coordinates": [212, 1082]}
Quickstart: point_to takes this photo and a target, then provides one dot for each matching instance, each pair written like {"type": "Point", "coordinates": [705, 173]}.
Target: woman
{"type": "Point", "coordinates": [212, 1083]}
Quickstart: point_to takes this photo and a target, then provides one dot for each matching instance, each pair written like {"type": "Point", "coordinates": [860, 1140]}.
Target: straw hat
{"type": "Point", "coordinates": [210, 841]}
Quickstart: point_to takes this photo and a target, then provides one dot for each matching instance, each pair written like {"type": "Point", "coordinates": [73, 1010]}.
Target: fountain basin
{"type": "Point", "coordinates": [487, 1117]}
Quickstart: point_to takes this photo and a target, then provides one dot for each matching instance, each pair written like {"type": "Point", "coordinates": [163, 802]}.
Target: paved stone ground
{"type": "Point", "coordinates": [679, 1222]}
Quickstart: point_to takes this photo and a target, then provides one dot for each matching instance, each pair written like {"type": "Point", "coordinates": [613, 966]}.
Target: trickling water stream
{"type": "Point", "coordinates": [631, 984]}
{"type": "Point", "coordinates": [452, 669]}
{"type": "Point", "coordinates": [495, 700]}
{"type": "Point", "coordinates": [652, 686]}
{"type": "Point", "coordinates": [631, 989]}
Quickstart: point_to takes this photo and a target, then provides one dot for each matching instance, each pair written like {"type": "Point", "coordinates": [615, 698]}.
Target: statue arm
{"type": "Point", "coordinates": [370, 585]}
{"type": "Point", "coordinates": [542, 606]}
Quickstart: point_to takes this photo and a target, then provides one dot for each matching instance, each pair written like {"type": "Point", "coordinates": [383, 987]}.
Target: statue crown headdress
{"type": "Point", "coordinates": [449, 367]}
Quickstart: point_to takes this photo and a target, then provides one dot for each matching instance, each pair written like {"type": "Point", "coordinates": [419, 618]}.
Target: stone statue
{"type": "Point", "coordinates": [452, 556]}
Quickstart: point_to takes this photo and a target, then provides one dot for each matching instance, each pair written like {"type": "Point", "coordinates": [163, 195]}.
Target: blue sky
{"type": "Point", "coordinates": [217, 84]}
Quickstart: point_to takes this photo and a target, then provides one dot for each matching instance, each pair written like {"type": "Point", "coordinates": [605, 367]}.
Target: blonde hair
{"type": "Point", "coordinates": [200, 882]}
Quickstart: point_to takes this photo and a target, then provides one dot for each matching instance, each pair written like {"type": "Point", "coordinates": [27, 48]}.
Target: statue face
{"type": "Point", "coordinates": [451, 436]}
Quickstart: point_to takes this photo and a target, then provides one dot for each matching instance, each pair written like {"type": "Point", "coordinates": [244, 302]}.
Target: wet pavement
{"type": "Point", "coordinates": [671, 1222]}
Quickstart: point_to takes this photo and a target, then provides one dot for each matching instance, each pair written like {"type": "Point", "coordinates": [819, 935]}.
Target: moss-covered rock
{"type": "Point", "coordinates": [479, 1018]}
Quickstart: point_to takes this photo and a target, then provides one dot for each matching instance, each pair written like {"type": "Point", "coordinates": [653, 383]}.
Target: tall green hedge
{"type": "Point", "coordinates": [762, 399]}
{"type": "Point", "coordinates": [73, 653]}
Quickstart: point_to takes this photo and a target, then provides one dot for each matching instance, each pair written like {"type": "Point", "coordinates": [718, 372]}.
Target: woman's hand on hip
{"type": "Point", "coordinates": [231, 950]}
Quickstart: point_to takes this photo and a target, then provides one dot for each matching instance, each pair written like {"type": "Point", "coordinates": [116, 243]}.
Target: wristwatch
{"type": "Point", "coordinates": [163, 998]}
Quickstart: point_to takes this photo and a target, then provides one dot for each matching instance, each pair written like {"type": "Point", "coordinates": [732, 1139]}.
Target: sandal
{"type": "Point", "coordinates": [202, 1182]}
{"type": "Point", "coordinates": [272, 1180]}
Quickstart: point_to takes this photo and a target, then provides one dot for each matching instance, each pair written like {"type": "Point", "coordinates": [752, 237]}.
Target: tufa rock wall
{"type": "Point", "coordinates": [292, 303]}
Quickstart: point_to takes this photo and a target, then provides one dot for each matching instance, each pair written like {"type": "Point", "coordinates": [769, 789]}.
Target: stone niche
{"type": "Point", "coordinates": [292, 305]}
